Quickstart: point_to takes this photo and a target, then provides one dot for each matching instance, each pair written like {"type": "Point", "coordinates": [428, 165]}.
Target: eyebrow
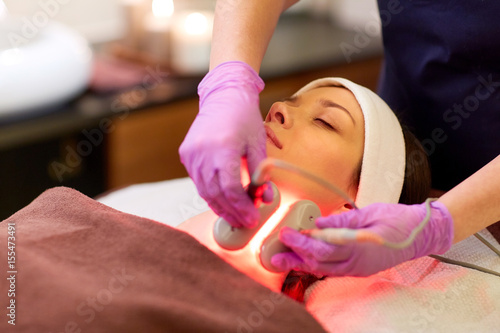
{"type": "Point", "coordinates": [291, 99]}
{"type": "Point", "coordinates": [326, 103]}
{"type": "Point", "coordinates": [331, 104]}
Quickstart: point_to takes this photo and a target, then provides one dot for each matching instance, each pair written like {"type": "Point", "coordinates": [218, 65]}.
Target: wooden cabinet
{"type": "Point", "coordinates": [143, 146]}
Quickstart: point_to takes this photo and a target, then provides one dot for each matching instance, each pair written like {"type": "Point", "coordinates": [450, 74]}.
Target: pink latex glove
{"type": "Point", "coordinates": [228, 127]}
{"type": "Point", "coordinates": [394, 222]}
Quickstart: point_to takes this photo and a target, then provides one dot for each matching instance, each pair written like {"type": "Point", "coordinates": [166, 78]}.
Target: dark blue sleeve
{"type": "Point", "coordinates": [441, 75]}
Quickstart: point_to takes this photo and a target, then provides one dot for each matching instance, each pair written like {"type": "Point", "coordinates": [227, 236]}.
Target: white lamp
{"type": "Point", "coordinates": [157, 28]}
{"type": "Point", "coordinates": [191, 40]}
{"type": "Point", "coordinates": [45, 68]}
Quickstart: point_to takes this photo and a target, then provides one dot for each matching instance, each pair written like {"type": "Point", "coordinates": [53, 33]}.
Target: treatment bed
{"type": "Point", "coordinates": [120, 265]}
{"type": "Point", "coordinates": [423, 295]}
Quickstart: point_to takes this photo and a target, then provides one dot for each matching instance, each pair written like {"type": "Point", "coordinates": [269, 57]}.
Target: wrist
{"type": "Point", "coordinates": [446, 224]}
{"type": "Point", "coordinates": [231, 74]}
{"type": "Point", "coordinates": [437, 236]}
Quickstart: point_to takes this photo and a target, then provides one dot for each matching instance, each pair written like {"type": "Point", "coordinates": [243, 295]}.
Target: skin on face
{"type": "Point", "coordinates": [321, 131]}
{"type": "Point", "coordinates": [305, 140]}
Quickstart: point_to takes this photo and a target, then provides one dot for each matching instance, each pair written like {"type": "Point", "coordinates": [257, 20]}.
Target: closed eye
{"type": "Point", "coordinates": [325, 123]}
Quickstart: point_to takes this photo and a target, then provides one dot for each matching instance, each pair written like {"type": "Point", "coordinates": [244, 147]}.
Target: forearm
{"type": "Point", "coordinates": [243, 29]}
{"type": "Point", "coordinates": [474, 204]}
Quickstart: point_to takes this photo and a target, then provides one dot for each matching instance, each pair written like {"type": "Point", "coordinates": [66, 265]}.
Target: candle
{"type": "Point", "coordinates": [133, 14]}
{"type": "Point", "coordinates": [191, 39]}
{"type": "Point", "coordinates": [157, 30]}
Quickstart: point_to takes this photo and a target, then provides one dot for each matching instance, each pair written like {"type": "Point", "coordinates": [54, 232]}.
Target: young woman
{"type": "Point", "coordinates": [345, 134]}
{"type": "Point", "coordinates": [414, 58]}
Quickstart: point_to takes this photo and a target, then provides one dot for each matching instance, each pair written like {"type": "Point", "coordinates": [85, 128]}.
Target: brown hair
{"type": "Point", "coordinates": [416, 187]}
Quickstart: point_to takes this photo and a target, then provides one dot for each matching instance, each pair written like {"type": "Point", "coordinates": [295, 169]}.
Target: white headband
{"type": "Point", "coordinates": [383, 166]}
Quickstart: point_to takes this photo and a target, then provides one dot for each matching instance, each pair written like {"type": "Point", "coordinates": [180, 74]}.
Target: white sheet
{"type": "Point", "coordinates": [170, 202]}
{"type": "Point", "coordinates": [423, 295]}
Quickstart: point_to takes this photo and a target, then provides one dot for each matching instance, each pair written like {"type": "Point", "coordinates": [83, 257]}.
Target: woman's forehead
{"type": "Point", "coordinates": [339, 95]}
{"type": "Point", "coordinates": [332, 91]}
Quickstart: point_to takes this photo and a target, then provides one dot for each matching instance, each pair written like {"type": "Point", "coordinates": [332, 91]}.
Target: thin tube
{"type": "Point", "coordinates": [464, 264]}
{"type": "Point", "coordinates": [488, 244]}
{"type": "Point", "coordinates": [336, 236]}
{"type": "Point", "coordinates": [468, 265]}
{"type": "Point", "coordinates": [411, 238]}
{"type": "Point", "coordinates": [341, 236]}
{"type": "Point", "coordinates": [261, 176]}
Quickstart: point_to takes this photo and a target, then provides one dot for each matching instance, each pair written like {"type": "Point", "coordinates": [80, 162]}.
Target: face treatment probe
{"type": "Point", "coordinates": [341, 236]}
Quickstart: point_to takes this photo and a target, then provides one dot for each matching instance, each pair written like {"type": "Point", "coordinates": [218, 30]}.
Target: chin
{"type": "Point", "coordinates": [293, 190]}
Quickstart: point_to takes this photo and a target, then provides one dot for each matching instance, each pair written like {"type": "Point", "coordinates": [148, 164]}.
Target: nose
{"type": "Point", "coordinates": [281, 114]}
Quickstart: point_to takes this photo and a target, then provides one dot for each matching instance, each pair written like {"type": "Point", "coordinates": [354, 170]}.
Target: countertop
{"type": "Point", "coordinates": [300, 43]}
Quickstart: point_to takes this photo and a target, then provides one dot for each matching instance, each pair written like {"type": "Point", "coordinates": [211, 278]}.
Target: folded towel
{"type": "Point", "coordinates": [84, 266]}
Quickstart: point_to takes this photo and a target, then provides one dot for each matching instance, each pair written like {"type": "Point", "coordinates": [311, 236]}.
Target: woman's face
{"type": "Point", "coordinates": [321, 131]}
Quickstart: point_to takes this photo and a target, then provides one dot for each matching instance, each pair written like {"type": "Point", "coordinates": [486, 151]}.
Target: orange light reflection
{"type": "Point", "coordinates": [256, 242]}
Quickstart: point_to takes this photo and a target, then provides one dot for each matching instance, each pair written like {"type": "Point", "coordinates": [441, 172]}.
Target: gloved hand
{"type": "Point", "coordinates": [394, 222]}
{"type": "Point", "coordinates": [228, 127]}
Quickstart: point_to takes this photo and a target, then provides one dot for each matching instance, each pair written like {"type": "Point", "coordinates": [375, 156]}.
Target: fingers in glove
{"type": "Point", "coordinates": [256, 153]}
{"type": "Point", "coordinates": [268, 195]}
{"type": "Point", "coordinates": [233, 198]}
{"type": "Point", "coordinates": [242, 206]}
{"type": "Point", "coordinates": [287, 261]}
{"type": "Point", "coordinates": [348, 219]}
{"type": "Point", "coordinates": [219, 184]}
{"type": "Point", "coordinates": [308, 248]}
{"type": "Point", "coordinates": [209, 190]}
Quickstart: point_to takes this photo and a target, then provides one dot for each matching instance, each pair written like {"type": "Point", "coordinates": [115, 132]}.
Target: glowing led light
{"type": "Point", "coordinates": [287, 199]}
{"type": "Point", "coordinates": [163, 8]}
{"type": "Point", "coordinates": [256, 242]}
{"type": "Point", "coordinates": [196, 24]}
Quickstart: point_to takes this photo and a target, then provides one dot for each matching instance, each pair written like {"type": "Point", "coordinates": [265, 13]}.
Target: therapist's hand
{"type": "Point", "coordinates": [394, 222]}
{"type": "Point", "coordinates": [229, 126]}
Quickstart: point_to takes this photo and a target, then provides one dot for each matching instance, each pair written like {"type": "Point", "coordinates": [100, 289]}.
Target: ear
{"type": "Point", "coordinates": [347, 207]}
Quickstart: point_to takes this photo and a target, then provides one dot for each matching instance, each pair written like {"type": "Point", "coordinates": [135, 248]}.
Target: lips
{"type": "Point", "coordinates": [274, 139]}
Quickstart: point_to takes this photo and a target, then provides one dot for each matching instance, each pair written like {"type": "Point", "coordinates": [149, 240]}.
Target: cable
{"type": "Point", "coordinates": [464, 264]}
{"type": "Point", "coordinates": [469, 265]}
{"type": "Point", "coordinates": [340, 236]}
{"type": "Point", "coordinates": [261, 176]}
{"type": "Point", "coordinates": [488, 244]}
{"type": "Point", "coordinates": [407, 242]}
{"type": "Point", "coordinates": [335, 235]}
{"type": "Point", "coordinates": [343, 235]}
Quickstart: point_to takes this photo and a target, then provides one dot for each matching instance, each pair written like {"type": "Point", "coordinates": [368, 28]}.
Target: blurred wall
{"type": "Point", "coordinates": [97, 20]}
{"type": "Point", "coordinates": [103, 20]}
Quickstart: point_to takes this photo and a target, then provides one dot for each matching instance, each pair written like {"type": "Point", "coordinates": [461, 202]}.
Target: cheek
{"type": "Point", "coordinates": [293, 188]}
{"type": "Point", "coordinates": [325, 157]}
{"type": "Point", "coordinates": [295, 148]}
{"type": "Point", "coordinates": [327, 161]}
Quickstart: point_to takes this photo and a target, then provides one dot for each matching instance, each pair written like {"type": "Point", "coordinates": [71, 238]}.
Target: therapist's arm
{"type": "Point", "coordinates": [229, 125]}
{"type": "Point", "coordinates": [243, 29]}
{"type": "Point", "coordinates": [474, 204]}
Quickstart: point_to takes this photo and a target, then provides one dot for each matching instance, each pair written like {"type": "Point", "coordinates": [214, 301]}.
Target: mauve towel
{"type": "Point", "coordinates": [84, 267]}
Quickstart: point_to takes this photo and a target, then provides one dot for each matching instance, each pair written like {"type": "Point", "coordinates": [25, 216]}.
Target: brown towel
{"type": "Point", "coordinates": [84, 267]}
